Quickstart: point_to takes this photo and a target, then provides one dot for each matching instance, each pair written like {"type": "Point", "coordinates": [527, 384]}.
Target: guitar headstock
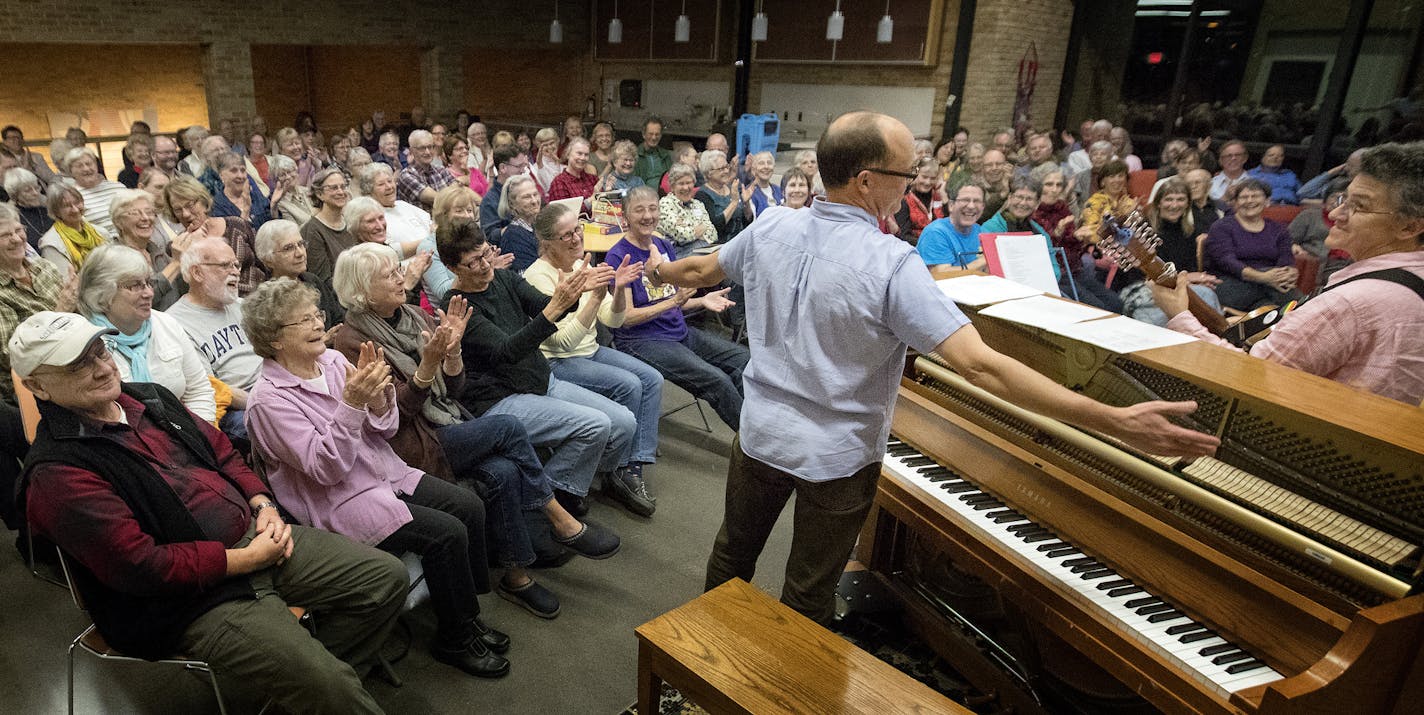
{"type": "Point", "coordinates": [1132, 243]}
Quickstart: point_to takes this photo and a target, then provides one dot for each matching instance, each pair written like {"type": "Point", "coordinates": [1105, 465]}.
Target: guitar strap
{"type": "Point", "coordinates": [1401, 276]}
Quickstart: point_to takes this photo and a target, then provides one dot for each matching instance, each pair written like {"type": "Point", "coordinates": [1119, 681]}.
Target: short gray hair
{"type": "Point", "coordinates": [265, 309]}
{"type": "Point", "coordinates": [56, 193]}
{"type": "Point", "coordinates": [278, 163]}
{"type": "Point", "coordinates": [103, 270]}
{"type": "Point", "coordinates": [369, 174]}
{"type": "Point", "coordinates": [354, 270]}
{"type": "Point", "coordinates": [1400, 167]}
{"type": "Point", "coordinates": [803, 155]}
{"type": "Point", "coordinates": [18, 179]}
{"type": "Point", "coordinates": [643, 192]}
{"type": "Point", "coordinates": [75, 154]}
{"type": "Point", "coordinates": [270, 234]}
{"type": "Point", "coordinates": [197, 253]}
{"type": "Point", "coordinates": [509, 188]}
{"type": "Point", "coordinates": [679, 172]}
{"type": "Point", "coordinates": [419, 134]}
{"type": "Point", "coordinates": [128, 197]}
{"type": "Point", "coordinates": [357, 208]}
{"type": "Point", "coordinates": [704, 162]}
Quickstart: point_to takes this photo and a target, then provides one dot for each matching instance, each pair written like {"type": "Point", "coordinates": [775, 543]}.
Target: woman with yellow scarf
{"type": "Point", "coordinates": [71, 239]}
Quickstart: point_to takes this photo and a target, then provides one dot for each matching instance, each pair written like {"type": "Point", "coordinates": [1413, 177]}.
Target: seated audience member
{"type": "Point", "coordinates": [187, 203]}
{"type": "Point", "coordinates": [1186, 160]}
{"type": "Point", "coordinates": [1055, 217]}
{"type": "Point", "coordinates": [682, 153]}
{"type": "Point", "coordinates": [765, 193]}
{"type": "Point", "coordinates": [357, 160]}
{"type": "Point", "coordinates": [1204, 210]}
{"type": "Point", "coordinates": [573, 129]}
{"type": "Point", "coordinates": [389, 152]}
{"type": "Point", "coordinates": [239, 197]}
{"type": "Point", "coordinates": [808, 164]}
{"type": "Point", "coordinates": [1251, 254]}
{"type": "Point", "coordinates": [575, 179]}
{"type": "Point", "coordinates": [796, 189]}
{"type": "Point", "coordinates": [83, 164]}
{"type": "Point", "coordinates": [506, 374]}
{"type": "Point", "coordinates": [28, 196]}
{"type": "Point", "coordinates": [138, 149]}
{"type": "Point", "coordinates": [209, 152]}
{"type": "Point", "coordinates": [1282, 181]}
{"type": "Point", "coordinates": [13, 146]}
{"type": "Point", "coordinates": [257, 156]}
{"type": "Point", "coordinates": [600, 154]}
{"type": "Point", "coordinates": [968, 170]}
{"type": "Point", "coordinates": [728, 202]}
{"type": "Point", "coordinates": [653, 160]}
{"type": "Point", "coordinates": [288, 142]}
{"type": "Point", "coordinates": [1085, 183]}
{"type": "Point", "coordinates": [481, 153]}
{"type": "Point", "coordinates": [136, 222]}
{"type": "Point", "coordinates": [1365, 333]}
{"type": "Point", "coordinates": [519, 203]}
{"type": "Point", "coordinates": [621, 176]}
{"type": "Point", "coordinates": [1169, 215]}
{"type": "Point", "coordinates": [421, 178]}
{"type": "Point", "coordinates": [1316, 187]}
{"type": "Point", "coordinates": [326, 235]}
{"type": "Point", "coordinates": [573, 351]}
{"type": "Point", "coordinates": [70, 239]}
{"type": "Point", "coordinates": [116, 292]}
{"type": "Point", "coordinates": [1232, 158]}
{"type": "Point", "coordinates": [491, 454]}
{"type": "Point", "coordinates": [1122, 148]}
{"type": "Point", "coordinates": [546, 162]}
{"type": "Point", "coordinates": [211, 313]}
{"type": "Point", "coordinates": [1079, 161]}
{"type": "Point", "coordinates": [407, 225]}
{"type": "Point", "coordinates": [291, 200]}
{"type": "Point", "coordinates": [682, 219]}
{"type": "Point", "coordinates": [1172, 151]}
{"type": "Point", "coordinates": [339, 149]}
{"type": "Point", "coordinates": [28, 285]}
{"type": "Point", "coordinates": [508, 163]}
{"type": "Point", "coordinates": [58, 149]}
{"type": "Point", "coordinates": [124, 481]}
{"type": "Point", "coordinates": [451, 203]}
{"type": "Point", "coordinates": [926, 201]}
{"type": "Point", "coordinates": [1111, 198]}
{"type": "Point", "coordinates": [1016, 217]}
{"type": "Point", "coordinates": [1038, 152]}
{"type": "Point", "coordinates": [344, 477]}
{"type": "Point", "coordinates": [996, 171]}
{"type": "Point", "coordinates": [1310, 227]}
{"type": "Point", "coordinates": [457, 152]}
{"type": "Point", "coordinates": [955, 239]}
{"type": "Point", "coordinates": [1003, 142]}
{"type": "Point", "coordinates": [281, 247]}
{"type": "Point", "coordinates": [655, 330]}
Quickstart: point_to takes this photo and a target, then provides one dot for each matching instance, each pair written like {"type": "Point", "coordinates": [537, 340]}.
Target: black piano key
{"type": "Point", "coordinates": [1154, 608]}
{"type": "Point", "coordinates": [1079, 561]}
{"type": "Point", "coordinates": [1197, 636]}
{"type": "Point", "coordinates": [959, 487]}
{"type": "Point", "coordinates": [1092, 565]}
{"type": "Point", "coordinates": [976, 498]}
{"type": "Point", "coordinates": [1052, 546]}
{"type": "Point", "coordinates": [1033, 538]}
{"type": "Point", "coordinates": [1109, 585]}
{"type": "Point", "coordinates": [1244, 666]}
{"type": "Point", "coordinates": [1018, 529]}
{"type": "Point", "coordinates": [1184, 628]}
{"type": "Point", "coordinates": [1165, 616]}
{"type": "Point", "coordinates": [1007, 517]}
{"type": "Point", "coordinates": [902, 451]}
{"type": "Point", "coordinates": [932, 470]}
{"type": "Point", "coordinates": [1231, 658]}
{"type": "Point", "coordinates": [1001, 512]}
{"type": "Point", "coordinates": [1144, 601]}
{"type": "Point", "coordinates": [1061, 552]}
{"type": "Point", "coordinates": [1100, 573]}
{"type": "Point", "coordinates": [919, 462]}
{"type": "Point", "coordinates": [1218, 649]}
{"type": "Point", "coordinates": [1124, 591]}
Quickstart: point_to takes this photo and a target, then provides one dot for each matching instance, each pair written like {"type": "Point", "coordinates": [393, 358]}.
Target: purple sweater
{"type": "Point", "coordinates": [1230, 247]}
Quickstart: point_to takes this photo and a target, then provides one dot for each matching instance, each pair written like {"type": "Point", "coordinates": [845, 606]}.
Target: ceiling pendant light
{"type": "Point", "coordinates": [682, 31]}
{"type": "Point", "coordinates": [615, 27]}
{"type": "Point", "coordinates": [886, 29]}
{"type": "Point", "coordinates": [759, 25]}
{"type": "Point", "coordinates": [556, 31]}
{"type": "Point", "coordinates": [835, 25]}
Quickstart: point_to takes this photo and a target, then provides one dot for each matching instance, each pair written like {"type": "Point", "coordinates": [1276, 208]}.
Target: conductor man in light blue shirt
{"type": "Point", "coordinates": [832, 304]}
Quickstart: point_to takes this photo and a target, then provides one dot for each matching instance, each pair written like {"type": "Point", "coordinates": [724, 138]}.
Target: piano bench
{"type": "Point", "coordinates": [736, 650]}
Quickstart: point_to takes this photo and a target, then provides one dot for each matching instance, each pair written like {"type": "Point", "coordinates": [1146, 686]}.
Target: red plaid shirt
{"type": "Point", "coordinates": [411, 181]}
{"type": "Point", "coordinates": [567, 186]}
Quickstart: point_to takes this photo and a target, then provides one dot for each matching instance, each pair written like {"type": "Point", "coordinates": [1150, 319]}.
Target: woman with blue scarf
{"type": "Point", "coordinates": [116, 291]}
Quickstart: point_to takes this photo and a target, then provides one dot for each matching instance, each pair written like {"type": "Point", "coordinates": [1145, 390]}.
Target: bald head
{"type": "Point", "coordinates": [859, 140]}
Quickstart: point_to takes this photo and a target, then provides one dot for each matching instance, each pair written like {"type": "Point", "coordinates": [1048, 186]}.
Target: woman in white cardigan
{"type": "Point", "coordinates": [116, 291]}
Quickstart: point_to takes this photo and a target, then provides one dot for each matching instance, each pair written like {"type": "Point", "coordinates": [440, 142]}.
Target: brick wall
{"type": "Point", "coordinates": [542, 86]}
{"type": "Point", "coordinates": [1003, 30]}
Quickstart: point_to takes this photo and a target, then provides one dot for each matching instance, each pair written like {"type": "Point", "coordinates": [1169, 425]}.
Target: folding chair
{"type": "Point", "coordinates": [706, 426]}
{"type": "Point", "coordinates": [30, 418]}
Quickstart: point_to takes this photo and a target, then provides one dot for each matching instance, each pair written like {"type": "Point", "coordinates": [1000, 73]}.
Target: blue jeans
{"type": "Point", "coordinates": [234, 424]}
{"type": "Point", "coordinates": [626, 380]}
{"type": "Point", "coordinates": [495, 451]}
{"type": "Point", "coordinates": [705, 365]}
{"type": "Point", "coordinates": [588, 432]}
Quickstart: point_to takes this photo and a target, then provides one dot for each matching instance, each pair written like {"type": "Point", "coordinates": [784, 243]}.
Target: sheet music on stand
{"type": "Point", "coordinates": [1021, 257]}
{"type": "Point", "coordinates": [975, 291]}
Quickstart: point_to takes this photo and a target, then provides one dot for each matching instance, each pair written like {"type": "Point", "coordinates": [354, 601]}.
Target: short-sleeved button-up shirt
{"type": "Point", "coordinates": [412, 180]}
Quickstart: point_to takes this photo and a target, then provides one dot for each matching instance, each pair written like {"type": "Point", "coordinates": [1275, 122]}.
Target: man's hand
{"type": "Point", "coordinates": [650, 266]}
{"type": "Point", "coordinates": [716, 301]}
{"type": "Point", "coordinates": [268, 547]}
{"type": "Point", "coordinates": [1146, 426]}
{"type": "Point", "coordinates": [1171, 301]}
{"type": "Point", "coordinates": [269, 516]}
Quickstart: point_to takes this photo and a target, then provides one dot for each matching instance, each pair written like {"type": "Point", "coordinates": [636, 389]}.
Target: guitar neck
{"type": "Point", "coordinates": [1205, 314]}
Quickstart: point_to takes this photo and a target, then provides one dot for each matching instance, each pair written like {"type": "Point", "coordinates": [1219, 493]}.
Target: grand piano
{"type": "Point", "coordinates": [1281, 575]}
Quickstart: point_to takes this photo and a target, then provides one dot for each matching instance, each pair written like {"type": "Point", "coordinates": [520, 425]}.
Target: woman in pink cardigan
{"type": "Point", "coordinates": [322, 424]}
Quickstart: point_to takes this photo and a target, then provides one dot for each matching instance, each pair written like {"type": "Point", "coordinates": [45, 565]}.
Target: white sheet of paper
{"type": "Point", "coordinates": [1043, 311]}
{"type": "Point", "coordinates": [1121, 334]}
{"type": "Point", "coordinates": [983, 290]}
{"type": "Point", "coordinates": [1024, 259]}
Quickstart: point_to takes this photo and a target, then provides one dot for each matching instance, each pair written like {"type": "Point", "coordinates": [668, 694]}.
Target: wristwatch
{"type": "Point", "coordinates": [261, 506]}
{"type": "Point", "coordinates": [657, 274]}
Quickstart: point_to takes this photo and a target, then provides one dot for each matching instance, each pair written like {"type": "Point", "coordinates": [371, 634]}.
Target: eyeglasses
{"type": "Point", "coordinates": [292, 247]}
{"type": "Point", "coordinates": [397, 273]}
{"type": "Point", "coordinates": [486, 256]}
{"type": "Point", "coordinates": [141, 213]}
{"type": "Point", "coordinates": [1352, 206]}
{"type": "Point", "coordinates": [86, 362]}
{"type": "Point", "coordinates": [889, 172]}
{"type": "Point", "coordinates": [335, 187]}
{"type": "Point", "coordinates": [229, 265]}
{"type": "Point", "coordinates": [318, 318]}
{"type": "Point", "coordinates": [137, 286]}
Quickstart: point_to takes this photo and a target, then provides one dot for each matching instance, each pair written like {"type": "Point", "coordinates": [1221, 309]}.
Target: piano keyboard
{"type": "Point", "coordinates": [1196, 648]}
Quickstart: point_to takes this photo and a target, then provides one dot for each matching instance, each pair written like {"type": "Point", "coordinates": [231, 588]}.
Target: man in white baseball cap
{"type": "Point", "coordinates": [53, 339]}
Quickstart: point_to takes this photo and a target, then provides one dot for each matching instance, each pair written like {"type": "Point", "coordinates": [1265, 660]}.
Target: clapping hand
{"type": "Point", "coordinates": [456, 315]}
{"type": "Point", "coordinates": [501, 260]}
{"type": "Point", "coordinates": [416, 269]}
{"type": "Point", "coordinates": [438, 344]}
{"type": "Point", "coordinates": [567, 292]}
{"type": "Point", "coordinates": [367, 382]}
{"type": "Point", "coordinates": [627, 273]}
{"type": "Point", "coordinates": [716, 301]}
